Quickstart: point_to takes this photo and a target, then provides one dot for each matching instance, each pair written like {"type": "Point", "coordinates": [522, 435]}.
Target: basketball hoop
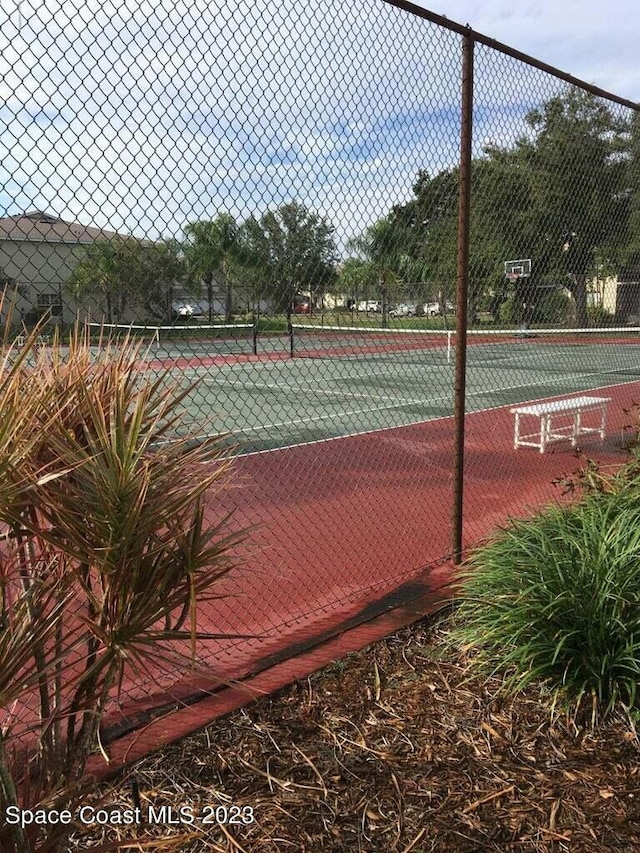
{"type": "Point", "coordinates": [513, 270]}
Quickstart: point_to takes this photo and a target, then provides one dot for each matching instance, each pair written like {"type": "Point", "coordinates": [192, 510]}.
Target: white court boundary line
{"type": "Point", "coordinates": [299, 389]}
{"type": "Point", "coordinates": [398, 426]}
{"type": "Point", "coordinates": [399, 405]}
{"type": "Point", "coordinates": [396, 366]}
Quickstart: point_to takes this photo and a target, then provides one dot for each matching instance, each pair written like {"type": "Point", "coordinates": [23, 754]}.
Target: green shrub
{"type": "Point", "coordinates": [594, 478]}
{"type": "Point", "coordinates": [598, 316]}
{"type": "Point", "coordinates": [553, 307]}
{"type": "Point", "coordinates": [557, 599]}
{"type": "Point", "coordinates": [511, 311]}
{"type": "Point", "coordinates": [272, 325]}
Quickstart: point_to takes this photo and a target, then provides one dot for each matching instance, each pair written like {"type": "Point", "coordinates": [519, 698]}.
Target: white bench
{"type": "Point", "coordinates": [549, 432]}
{"type": "Point", "coordinates": [41, 341]}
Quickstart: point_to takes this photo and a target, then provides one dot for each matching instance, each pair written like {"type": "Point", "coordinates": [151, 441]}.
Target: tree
{"type": "Point", "coordinates": [295, 251]}
{"type": "Point", "coordinates": [427, 227]}
{"type": "Point", "coordinates": [355, 279]}
{"type": "Point", "coordinates": [126, 270]}
{"type": "Point", "coordinates": [629, 266]}
{"type": "Point", "coordinates": [577, 175]}
{"type": "Point", "coordinates": [5, 280]}
{"type": "Point", "coordinates": [560, 197]}
{"type": "Point", "coordinates": [212, 248]}
{"type": "Point", "coordinates": [383, 257]}
{"type": "Point", "coordinates": [165, 268]}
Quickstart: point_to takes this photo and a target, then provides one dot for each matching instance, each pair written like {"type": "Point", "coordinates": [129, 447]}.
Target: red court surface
{"type": "Point", "coordinates": [348, 540]}
{"type": "Point", "coordinates": [356, 539]}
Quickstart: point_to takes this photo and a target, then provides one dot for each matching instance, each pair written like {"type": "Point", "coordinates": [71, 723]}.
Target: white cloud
{"type": "Point", "coordinates": [145, 115]}
{"type": "Point", "coordinates": [590, 39]}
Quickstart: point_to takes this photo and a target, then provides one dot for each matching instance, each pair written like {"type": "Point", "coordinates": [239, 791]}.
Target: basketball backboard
{"type": "Point", "coordinates": [518, 269]}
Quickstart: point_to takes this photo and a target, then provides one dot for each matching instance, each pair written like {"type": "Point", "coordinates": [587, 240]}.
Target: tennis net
{"type": "Point", "coordinates": [611, 348]}
{"type": "Point", "coordinates": [310, 341]}
{"type": "Point", "coordinates": [212, 339]}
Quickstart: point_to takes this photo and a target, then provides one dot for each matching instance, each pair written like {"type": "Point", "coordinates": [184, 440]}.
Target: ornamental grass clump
{"type": "Point", "coordinates": [556, 599]}
{"type": "Point", "coordinates": [105, 556]}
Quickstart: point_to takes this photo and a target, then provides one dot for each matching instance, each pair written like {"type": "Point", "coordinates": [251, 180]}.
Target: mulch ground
{"type": "Point", "coordinates": [396, 748]}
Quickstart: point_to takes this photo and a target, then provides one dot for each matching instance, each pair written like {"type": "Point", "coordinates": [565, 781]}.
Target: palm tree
{"type": "Point", "coordinates": [377, 246]}
{"type": "Point", "coordinates": [215, 247]}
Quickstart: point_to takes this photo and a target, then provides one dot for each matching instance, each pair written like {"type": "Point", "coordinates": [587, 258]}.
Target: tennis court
{"type": "Point", "coordinates": [325, 383]}
{"type": "Point", "coordinates": [341, 527]}
{"type": "Point", "coordinates": [349, 512]}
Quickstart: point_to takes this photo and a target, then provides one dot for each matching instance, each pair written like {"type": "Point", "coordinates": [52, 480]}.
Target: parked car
{"type": "Point", "coordinates": [301, 306]}
{"type": "Point", "coordinates": [369, 306]}
{"type": "Point", "coordinates": [186, 310]}
{"type": "Point", "coordinates": [432, 309]}
{"type": "Point", "coordinates": [402, 310]}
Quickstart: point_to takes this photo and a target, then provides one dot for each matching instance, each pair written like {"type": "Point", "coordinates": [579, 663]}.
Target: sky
{"type": "Point", "coordinates": [593, 40]}
{"type": "Point", "coordinates": [144, 115]}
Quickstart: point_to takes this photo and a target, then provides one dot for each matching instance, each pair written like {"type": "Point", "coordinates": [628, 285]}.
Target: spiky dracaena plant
{"type": "Point", "coordinates": [107, 552]}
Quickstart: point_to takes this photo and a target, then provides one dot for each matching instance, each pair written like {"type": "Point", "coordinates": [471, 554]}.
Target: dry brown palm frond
{"type": "Point", "coordinates": [106, 552]}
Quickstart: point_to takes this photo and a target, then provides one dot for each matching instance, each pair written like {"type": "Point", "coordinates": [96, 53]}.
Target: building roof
{"type": "Point", "coordinates": [41, 227]}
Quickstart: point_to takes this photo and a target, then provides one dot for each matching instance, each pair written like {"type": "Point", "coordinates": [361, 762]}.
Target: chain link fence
{"type": "Point", "coordinates": [268, 195]}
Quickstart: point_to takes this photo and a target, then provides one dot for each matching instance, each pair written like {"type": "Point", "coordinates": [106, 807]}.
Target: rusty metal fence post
{"type": "Point", "coordinates": [464, 201]}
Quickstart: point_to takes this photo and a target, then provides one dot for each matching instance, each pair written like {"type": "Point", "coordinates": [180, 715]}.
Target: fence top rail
{"type": "Point", "coordinates": [448, 24]}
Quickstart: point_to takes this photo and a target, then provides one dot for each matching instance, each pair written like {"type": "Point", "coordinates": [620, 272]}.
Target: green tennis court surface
{"type": "Point", "coordinates": [270, 403]}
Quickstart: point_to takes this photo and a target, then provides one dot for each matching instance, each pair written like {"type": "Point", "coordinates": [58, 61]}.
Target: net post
{"type": "Point", "coordinates": [290, 333]}
{"type": "Point", "coordinates": [254, 337]}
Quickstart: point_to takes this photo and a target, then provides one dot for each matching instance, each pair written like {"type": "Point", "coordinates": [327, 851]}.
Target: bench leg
{"type": "Point", "coordinates": [603, 422]}
{"type": "Point", "coordinates": [545, 429]}
{"type": "Point", "coordinates": [577, 425]}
